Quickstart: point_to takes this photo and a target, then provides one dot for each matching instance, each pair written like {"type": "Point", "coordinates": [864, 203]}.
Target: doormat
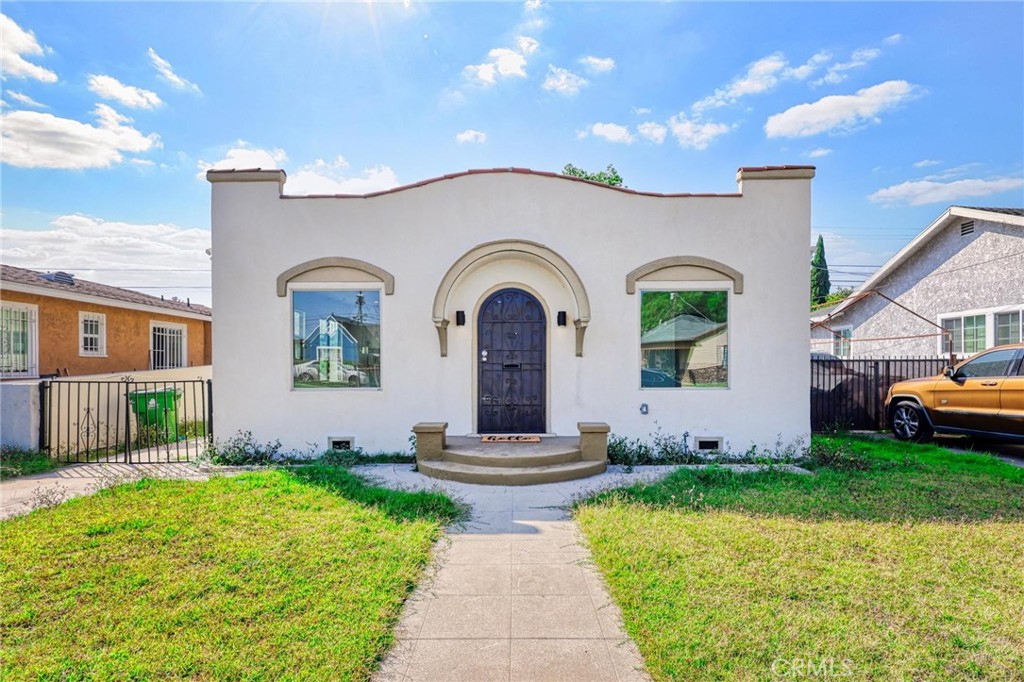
{"type": "Point", "coordinates": [509, 439]}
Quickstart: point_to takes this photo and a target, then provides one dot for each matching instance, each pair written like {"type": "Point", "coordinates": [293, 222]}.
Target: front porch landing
{"type": "Point", "coordinates": [468, 460]}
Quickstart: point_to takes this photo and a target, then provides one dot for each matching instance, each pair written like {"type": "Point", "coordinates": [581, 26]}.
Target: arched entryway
{"type": "Point", "coordinates": [512, 362]}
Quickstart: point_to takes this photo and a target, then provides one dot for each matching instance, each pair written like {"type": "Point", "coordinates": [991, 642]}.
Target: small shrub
{"type": "Point", "coordinates": [837, 454]}
{"type": "Point", "coordinates": [242, 449]}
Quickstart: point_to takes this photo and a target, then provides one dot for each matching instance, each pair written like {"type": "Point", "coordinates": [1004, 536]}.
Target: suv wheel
{"type": "Point", "coordinates": [910, 423]}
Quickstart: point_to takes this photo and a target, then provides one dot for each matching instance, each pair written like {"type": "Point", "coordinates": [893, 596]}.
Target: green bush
{"type": "Point", "coordinates": [242, 449]}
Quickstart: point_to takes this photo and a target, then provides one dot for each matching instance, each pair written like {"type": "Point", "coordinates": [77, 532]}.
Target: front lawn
{"type": "Point", "coordinates": [893, 562]}
{"type": "Point", "coordinates": [273, 575]}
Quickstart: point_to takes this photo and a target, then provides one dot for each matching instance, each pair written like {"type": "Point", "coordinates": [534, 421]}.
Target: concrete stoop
{"type": "Point", "coordinates": [553, 460]}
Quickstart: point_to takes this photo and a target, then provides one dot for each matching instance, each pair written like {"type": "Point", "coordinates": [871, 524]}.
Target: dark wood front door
{"type": "Point", "coordinates": [512, 361]}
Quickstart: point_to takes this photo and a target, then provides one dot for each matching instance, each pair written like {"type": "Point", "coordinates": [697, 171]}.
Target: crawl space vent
{"type": "Point", "coordinates": [709, 444]}
{"type": "Point", "coordinates": [340, 443]}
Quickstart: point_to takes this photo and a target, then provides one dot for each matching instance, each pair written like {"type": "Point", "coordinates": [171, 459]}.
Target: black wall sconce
{"type": "Point", "coordinates": [561, 318]}
{"type": "Point", "coordinates": [460, 318]}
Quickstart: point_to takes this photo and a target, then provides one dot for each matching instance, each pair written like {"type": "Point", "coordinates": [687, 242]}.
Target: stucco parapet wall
{"type": "Point", "coordinates": [248, 175]}
{"type": "Point", "coordinates": [279, 176]}
{"type": "Point", "coordinates": [775, 173]}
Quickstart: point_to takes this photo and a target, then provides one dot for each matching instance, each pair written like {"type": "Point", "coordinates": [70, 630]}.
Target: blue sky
{"type": "Point", "coordinates": [112, 111]}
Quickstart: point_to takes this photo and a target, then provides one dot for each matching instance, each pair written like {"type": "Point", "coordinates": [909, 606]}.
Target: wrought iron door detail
{"type": "Point", "coordinates": [512, 362]}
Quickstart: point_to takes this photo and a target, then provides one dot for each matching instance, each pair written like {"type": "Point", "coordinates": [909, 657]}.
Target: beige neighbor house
{"type": "Point", "coordinates": [957, 287]}
{"type": "Point", "coordinates": [508, 302]}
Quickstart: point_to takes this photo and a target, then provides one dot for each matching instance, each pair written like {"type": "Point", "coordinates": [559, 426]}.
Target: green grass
{"type": "Point", "coordinates": [892, 562]}
{"type": "Point", "coordinates": [20, 462]}
{"type": "Point", "coordinates": [276, 575]}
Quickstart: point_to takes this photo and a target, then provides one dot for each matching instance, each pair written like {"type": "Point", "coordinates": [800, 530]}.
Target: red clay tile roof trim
{"type": "Point", "coordinates": [524, 171]}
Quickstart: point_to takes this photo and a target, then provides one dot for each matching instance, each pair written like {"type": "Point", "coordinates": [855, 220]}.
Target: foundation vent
{"type": "Point", "coordinates": [966, 228]}
{"type": "Point", "coordinates": [342, 443]}
{"type": "Point", "coordinates": [709, 444]}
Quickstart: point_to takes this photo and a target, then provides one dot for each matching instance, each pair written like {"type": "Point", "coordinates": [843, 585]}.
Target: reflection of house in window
{"type": "Point", "coordinates": [688, 347]}
{"type": "Point", "coordinates": [334, 349]}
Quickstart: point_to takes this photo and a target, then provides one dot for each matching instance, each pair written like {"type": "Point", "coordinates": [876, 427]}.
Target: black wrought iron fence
{"type": "Point", "coordinates": [850, 393]}
{"type": "Point", "coordinates": [125, 421]}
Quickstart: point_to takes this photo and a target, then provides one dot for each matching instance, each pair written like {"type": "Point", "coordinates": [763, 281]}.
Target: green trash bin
{"type": "Point", "coordinates": [158, 409]}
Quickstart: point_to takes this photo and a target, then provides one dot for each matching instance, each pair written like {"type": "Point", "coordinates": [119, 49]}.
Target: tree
{"type": "Point", "coordinates": [608, 176]}
{"type": "Point", "coordinates": [820, 284]}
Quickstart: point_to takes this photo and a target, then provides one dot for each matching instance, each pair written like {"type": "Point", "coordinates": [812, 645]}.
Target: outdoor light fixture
{"type": "Point", "coordinates": [561, 318]}
{"type": "Point", "coordinates": [460, 318]}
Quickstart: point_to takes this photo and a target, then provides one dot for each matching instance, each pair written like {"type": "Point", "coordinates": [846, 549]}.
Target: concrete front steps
{"type": "Point", "coordinates": [468, 460]}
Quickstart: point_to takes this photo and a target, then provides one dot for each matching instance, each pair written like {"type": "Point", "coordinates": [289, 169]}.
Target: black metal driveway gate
{"type": "Point", "coordinates": [126, 421]}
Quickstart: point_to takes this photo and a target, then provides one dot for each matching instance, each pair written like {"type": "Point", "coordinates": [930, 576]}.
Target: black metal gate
{"type": "Point", "coordinates": [850, 394]}
{"type": "Point", "coordinates": [513, 346]}
{"type": "Point", "coordinates": [126, 421]}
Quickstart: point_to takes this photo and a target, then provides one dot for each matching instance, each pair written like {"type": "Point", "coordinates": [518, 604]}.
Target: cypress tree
{"type": "Point", "coordinates": [820, 285]}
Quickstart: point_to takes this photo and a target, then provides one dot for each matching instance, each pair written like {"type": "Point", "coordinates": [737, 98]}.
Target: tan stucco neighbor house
{"type": "Point", "coordinates": [508, 302]}
{"type": "Point", "coordinates": [56, 324]}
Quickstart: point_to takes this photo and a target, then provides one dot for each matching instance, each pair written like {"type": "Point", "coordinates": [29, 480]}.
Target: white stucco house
{"type": "Point", "coordinates": [958, 286]}
{"type": "Point", "coordinates": [510, 301]}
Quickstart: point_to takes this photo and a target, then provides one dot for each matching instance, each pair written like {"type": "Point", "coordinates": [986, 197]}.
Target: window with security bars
{"type": "Point", "coordinates": [167, 348]}
{"type": "Point", "coordinates": [92, 334]}
{"type": "Point", "coordinates": [18, 341]}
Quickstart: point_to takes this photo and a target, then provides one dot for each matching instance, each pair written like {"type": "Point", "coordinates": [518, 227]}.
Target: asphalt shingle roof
{"type": "Point", "coordinates": [9, 273]}
{"type": "Point", "coordinates": [686, 328]}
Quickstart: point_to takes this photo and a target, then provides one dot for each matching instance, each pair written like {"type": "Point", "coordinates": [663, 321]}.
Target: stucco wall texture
{"type": "Point", "coordinates": [418, 233]}
{"type": "Point", "coordinates": [983, 271]}
{"type": "Point", "coordinates": [127, 336]}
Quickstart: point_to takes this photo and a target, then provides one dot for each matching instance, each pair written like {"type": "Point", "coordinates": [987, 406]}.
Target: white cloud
{"type": "Point", "coordinates": [839, 112]}
{"type": "Point", "coordinates": [761, 76]}
{"type": "Point", "coordinates": [471, 135]}
{"type": "Point", "coordinates": [924, 163]}
{"type": "Point", "coordinates": [109, 87]}
{"type": "Point", "coordinates": [921, 192]}
{"type": "Point", "coordinates": [95, 247]}
{"type": "Point", "coordinates": [819, 152]}
{"type": "Point", "coordinates": [804, 71]}
{"type": "Point", "coordinates": [598, 64]}
{"type": "Point", "coordinates": [894, 39]}
{"type": "Point", "coordinates": [532, 5]}
{"type": "Point", "coordinates": [243, 156]}
{"type": "Point", "coordinates": [563, 81]}
{"type": "Point", "coordinates": [527, 45]}
{"type": "Point", "coordinates": [640, 111]}
{"type": "Point", "coordinates": [321, 178]}
{"type": "Point", "coordinates": [502, 62]}
{"type": "Point", "coordinates": [837, 72]}
{"type": "Point", "coordinates": [694, 134]}
{"type": "Point", "coordinates": [25, 99]}
{"type": "Point", "coordinates": [163, 67]}
{"type": "Point", "coordinates": [450, 99]}
{"type": "Point", "coordinates": [38, 140]}
{"type": "Point", "coordinates": [612, 132]}
{"type": "Point", "coordinates": [953, 172]}
{"type": "Point", "coordinates": [15, 42]}
{"type": "Point", "coordinates": [655, 132]}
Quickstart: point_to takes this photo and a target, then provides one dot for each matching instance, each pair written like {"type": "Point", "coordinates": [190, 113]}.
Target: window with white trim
{"type": "Point", "coordinates": [841, 342]}
{"type": "Point", "coordinates": [1008, 327]}
{"type": "Point", "coordinates": [966, 334]}
{"type": "Point", "coordinates": [19, 340]}
{"type": "Point", "coordinates": [168, 345]}
{"type": "Point", "coordinates": [92, 334]}
{"type": "Point", "coordinates": [684, 339]}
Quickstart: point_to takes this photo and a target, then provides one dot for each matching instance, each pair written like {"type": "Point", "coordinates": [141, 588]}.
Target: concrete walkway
{"type": "Point", "coordinates": [23, 494]}
{"type": "Point", "coordinates": [512, 595]}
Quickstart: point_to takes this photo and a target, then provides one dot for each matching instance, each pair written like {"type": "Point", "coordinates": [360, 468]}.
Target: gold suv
{"type": "Point", "coordinates": [983, 396]}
